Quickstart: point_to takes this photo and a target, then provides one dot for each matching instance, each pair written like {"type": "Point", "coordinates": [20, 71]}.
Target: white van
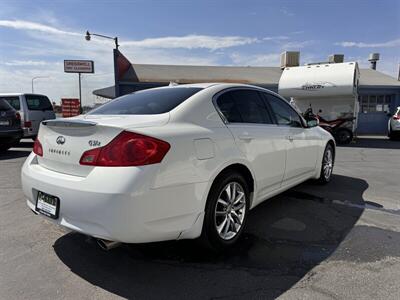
{"type": "Point", "coordinates": [33, 108]}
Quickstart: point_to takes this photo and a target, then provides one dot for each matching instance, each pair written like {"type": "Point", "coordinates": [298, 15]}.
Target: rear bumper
{"type": "Point", "coordinates": [28, 132]}
{"type": "Point", "coordinates": [118, 204]}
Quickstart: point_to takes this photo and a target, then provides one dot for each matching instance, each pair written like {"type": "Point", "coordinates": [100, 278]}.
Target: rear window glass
{"type": "Point", "coordinates": [4, 106]}
{"type": "Point", "coordinates": [13, 100]}
{"type": "Point", "coordinates": [37, 102]}
{"type": "Point", "coordinates": [147, 102]}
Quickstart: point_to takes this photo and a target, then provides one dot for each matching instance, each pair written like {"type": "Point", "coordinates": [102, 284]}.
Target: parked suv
{"type": "Point", "coordinates": [33, 108]}
{"type": "Point", "coordinates": [394, 125]}
{"type": "Point", "coordinates": [10, 126]}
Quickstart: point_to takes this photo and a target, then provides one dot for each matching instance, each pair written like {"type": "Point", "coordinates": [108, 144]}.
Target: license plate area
{"type": "Point", "coordinates": [47, 205]}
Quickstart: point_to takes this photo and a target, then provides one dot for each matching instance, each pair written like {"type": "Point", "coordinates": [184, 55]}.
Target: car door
{"type": "Point", "coordinates": [256, 135]}
{"type": "Point", "coordinates": [302, 148]}
{"type": "Point", "coordinates": [39, 109]}
{"type": "Point", "coordinates": [47, 108]}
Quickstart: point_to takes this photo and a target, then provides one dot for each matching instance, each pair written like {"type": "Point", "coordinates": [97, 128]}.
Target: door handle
{"type": "Point", "coordinates": [290, 138]}
{"type": "Point", "coordinates": [246, 137]}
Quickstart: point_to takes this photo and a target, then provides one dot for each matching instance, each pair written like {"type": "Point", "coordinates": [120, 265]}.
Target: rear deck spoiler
{"type": "Point", "coordinates": [69, 123]}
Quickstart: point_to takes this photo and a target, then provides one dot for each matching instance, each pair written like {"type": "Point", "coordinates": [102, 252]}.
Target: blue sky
{"type": "Point", "coordinates": [36, 36]}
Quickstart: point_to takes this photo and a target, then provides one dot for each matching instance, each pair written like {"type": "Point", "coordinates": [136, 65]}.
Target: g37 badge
{"type": "Point", "coordinates": [94, 143]}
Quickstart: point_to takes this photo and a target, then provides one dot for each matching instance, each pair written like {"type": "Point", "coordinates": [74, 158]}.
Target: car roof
{"type": "Point", "coordinates": [20, 94]}
{"type": "Point", "coordinates": [205, 85]}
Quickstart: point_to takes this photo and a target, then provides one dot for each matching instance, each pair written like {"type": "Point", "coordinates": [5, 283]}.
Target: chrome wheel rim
{"type": "Point", "coordinates": [328, 164]}
{"type": "Point", "coordinates": [230, 210]}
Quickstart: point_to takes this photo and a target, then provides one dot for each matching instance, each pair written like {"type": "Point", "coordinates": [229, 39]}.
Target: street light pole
{"type": "Point", "coordinates": [115, 52]}
{"type": "Point", "coordinates": [88, 37]}
{"type": "Point", "coordinates": [37, 77]}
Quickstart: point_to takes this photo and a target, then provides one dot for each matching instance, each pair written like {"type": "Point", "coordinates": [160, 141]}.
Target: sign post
{"type": "Point", "coordinates": [79, 66]}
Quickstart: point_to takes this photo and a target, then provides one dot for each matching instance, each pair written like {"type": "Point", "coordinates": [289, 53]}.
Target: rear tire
{"type": "Point", "coordinates": [343, 136]}
{"type": "Point", "coordinates": [226, 211]}
{"type": "Point", "coordinates": [5, 147]}
{"type": "Point", "coordinates": [328, 160]}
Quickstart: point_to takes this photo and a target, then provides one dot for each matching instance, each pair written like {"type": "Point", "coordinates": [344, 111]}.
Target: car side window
{"type": "Point", "coordinates": [284, 114]}
{"type": "Point", "coordinates": [244, 106]}
{"type": "Point", "coordinates": [36, 102]}
{"type": "Point", "coordinates": [13, 100]}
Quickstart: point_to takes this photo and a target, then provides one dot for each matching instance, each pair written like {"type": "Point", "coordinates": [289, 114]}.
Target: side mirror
{"type": "Point", "coordinates": [312, 122]}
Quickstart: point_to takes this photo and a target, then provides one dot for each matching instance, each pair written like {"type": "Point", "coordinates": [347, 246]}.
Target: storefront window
{"type": "Point", "coordinates": [375, 103]}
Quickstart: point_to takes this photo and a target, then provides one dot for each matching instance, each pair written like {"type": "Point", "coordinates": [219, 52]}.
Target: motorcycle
{"type": "Point", "coordinates": [341, 133]}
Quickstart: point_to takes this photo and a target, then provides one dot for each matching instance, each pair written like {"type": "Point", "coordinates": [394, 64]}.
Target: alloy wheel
{"type": "Point", "coordinates": [328, 164]}
{"type": "Point", "coordinates": [230, 210]}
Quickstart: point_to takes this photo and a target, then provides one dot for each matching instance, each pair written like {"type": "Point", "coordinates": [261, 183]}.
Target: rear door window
{"type": "Point", "coordinates": [147, 102]}
{"type": "Point", "coordinates": [244, 106]}
{"type": "Point", "coordinates": [13, 101]}
{"type": "Point", "coordinates": [37, 102]}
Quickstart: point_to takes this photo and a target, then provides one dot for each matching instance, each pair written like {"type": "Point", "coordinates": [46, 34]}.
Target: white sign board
{"type": "Point", "coordinates": [78, 66]}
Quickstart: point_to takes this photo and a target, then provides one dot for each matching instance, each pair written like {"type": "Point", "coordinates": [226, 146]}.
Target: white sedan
{"type": "Point", "coordinates": [394, 125]}
{"type": "Point", "coordinates": [178, 162]}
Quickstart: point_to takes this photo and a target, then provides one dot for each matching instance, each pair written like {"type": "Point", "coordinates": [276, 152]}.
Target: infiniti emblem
{"type": "Point", "coordinates": [60, 140]}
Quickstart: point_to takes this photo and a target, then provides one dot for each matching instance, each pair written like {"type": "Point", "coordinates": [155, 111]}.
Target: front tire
{"type": "Point", "coordinates": [327, 165]}
{"type": "Point", "coordinates": [226, 211]}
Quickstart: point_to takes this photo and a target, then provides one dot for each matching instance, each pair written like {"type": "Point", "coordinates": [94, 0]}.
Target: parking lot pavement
{"type": "Point", "coordinates": [339, 241]}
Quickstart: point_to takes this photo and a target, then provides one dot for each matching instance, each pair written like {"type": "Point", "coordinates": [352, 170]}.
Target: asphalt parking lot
{"type": "Point", "coordinates": [340, 241]}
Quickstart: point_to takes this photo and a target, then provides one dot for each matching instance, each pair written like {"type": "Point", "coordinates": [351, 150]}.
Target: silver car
{"type": "Point", "coordinates": [33, 108]}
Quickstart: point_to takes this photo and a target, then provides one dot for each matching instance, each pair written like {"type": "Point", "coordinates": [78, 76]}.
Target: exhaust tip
{"type": "Point", "coordinates": [107, 245]}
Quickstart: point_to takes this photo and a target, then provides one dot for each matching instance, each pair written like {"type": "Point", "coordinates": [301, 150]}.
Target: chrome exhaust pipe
{"type": "Point", "coordinates": [107, 245]}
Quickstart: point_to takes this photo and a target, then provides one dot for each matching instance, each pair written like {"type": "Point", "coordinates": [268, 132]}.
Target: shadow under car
{"type": "Point", "coordinates": [285, 238]}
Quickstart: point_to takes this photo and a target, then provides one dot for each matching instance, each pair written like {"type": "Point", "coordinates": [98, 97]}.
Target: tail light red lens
{"type": "Point", "coordinates": [37, 147]}
{"type": "Point", "coordinates": [18, 116]}
{"type": "Point", "coordinates": [28, 124]}
{"type": "Point", "coordinates": [396, 117]}
{"type": "Point", "coordinates": [127, 149]}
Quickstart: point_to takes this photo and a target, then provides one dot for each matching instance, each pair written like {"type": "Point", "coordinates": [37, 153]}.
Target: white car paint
{"type": "Point", "coordinates": [394, 122]}
{"type": "Point", "coordinates": [167, 200]}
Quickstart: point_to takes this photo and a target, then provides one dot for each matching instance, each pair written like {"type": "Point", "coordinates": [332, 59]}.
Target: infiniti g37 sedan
{"type": "Point", "coordinates": [178, 162]}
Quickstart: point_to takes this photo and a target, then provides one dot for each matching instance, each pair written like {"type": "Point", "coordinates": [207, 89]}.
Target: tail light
{"type": "Point", "coordinates": [28, 124]}
{"type": "Point", "coordinates": [396, 117]}
{"type": "Point", "coordinates": [18, 116]}
{"type": "Point", "coordinates": [127, 149]}
{"type": "Point", "coordinates": [37, 147]}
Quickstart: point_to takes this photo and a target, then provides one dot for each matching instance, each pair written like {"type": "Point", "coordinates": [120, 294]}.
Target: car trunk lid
{"type": "Point", "coordinates": [65, 140]}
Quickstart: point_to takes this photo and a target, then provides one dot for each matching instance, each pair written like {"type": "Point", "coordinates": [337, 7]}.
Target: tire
{"type": "Point", "coordinates": [327, 165]}
{"type": "Point", "coordinates": [391, 135]}
{"type": "Point", "coordinates": [5, 147]}
{"type": "Point", "coordinates": [343, 136]}
{"type": "Point", "coordinates": [223, 224]}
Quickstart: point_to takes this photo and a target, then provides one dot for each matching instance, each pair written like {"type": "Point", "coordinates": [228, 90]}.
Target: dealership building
{"type": "Point", "coordinates": [371, 96]}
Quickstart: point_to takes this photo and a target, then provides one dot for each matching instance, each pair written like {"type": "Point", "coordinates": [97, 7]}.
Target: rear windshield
{"type": "Point", "coordinates": [38, 102]}
{"type": "Point", "coordinates": [13, 100]}
{"type": "Point", "coordinates": [4, 106]}
{"type": "Point", "coordinates": [147, 102]}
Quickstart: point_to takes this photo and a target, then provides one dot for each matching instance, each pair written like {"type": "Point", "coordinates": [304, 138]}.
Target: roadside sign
{"type": "Point", "coordinates": [70, 107]}
{"type": "Point", "coordinates": [78, 66]}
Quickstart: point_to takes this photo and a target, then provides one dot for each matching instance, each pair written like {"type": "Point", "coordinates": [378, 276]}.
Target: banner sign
{"type": "Point", "coordinates": [78, 66]}
{"type": "Point", "coordinates": [70, 107]}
